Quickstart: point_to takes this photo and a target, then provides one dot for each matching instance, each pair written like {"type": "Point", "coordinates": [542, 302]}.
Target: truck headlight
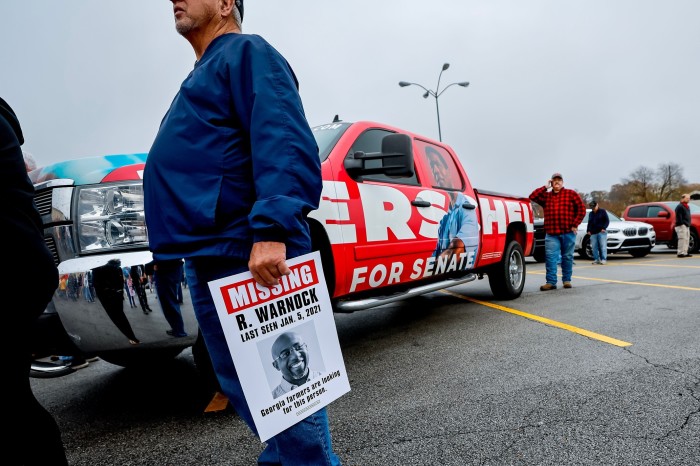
{"type": "Point", "coordinates": [111, 216]}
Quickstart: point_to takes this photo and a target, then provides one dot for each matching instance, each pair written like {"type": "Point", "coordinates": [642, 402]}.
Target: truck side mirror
{"type": "Point", "coordinates": [395, 159]}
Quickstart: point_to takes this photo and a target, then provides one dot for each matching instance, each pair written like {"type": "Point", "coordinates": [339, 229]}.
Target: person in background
{"type": "Point", "coordinates": [598, 222]}
{"type": "Point", "coordinates": [31, 435]}
{"type": "Point", "coordinates": [137, 281]}
{"type": "Point", "coordinates": [683, 226]}
{"type": "Point", "coordinates": [168, 274]}
{"type": "Point", "coordinates": [109, 287]}
{"type": "Point", "coordinates": [563, 212]}
{"type": "Point", "coordinates": [236, 124]}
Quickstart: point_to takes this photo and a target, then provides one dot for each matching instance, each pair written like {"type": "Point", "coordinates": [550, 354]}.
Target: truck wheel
{"type": "Point", "coordinates": [507, 278]}
{"type": "Point", "coordinates": [586, 251]}
{"type": "Point", "coordinates": [640, 252]}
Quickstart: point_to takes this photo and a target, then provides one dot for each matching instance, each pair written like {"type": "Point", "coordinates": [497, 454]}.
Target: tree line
{"type": "Point", "coordinates": [644, 184]}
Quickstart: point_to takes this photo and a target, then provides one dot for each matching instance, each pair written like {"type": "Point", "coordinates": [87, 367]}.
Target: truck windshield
{"type": "Point", "coordinates": [327, 136]}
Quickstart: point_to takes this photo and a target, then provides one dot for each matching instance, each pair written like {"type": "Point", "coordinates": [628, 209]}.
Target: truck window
{"type": "Point", "coordinates": [637, 212]}
{"type": "Point", "coordinates": [371, 141]}
{"type": "Point", "coordinates": [654, 210]}
{"type": "Point", "coordinates": [327, 136]}
{"type": "Point", "coordinates": [444, 173]}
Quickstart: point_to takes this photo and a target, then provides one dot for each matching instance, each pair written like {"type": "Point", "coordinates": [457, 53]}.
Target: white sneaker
{"type": "Point", "coordinates": [603, 262]}
{"type": "Point", "coordinates": [595, 262]}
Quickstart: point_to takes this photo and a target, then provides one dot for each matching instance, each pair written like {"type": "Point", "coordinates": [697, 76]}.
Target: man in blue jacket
{"type": "Point", "coordinates": [598, 222]}
{"type": "Point", "coordinates": [230, 178]}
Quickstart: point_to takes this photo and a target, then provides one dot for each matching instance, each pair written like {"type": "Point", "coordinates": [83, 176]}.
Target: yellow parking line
{"type": "Point", "coordinates": [621, 282]}
{"type": "Point", "coordinates": [544, 320]}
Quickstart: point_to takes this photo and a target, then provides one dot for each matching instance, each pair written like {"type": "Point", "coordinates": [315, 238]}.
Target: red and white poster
{"type": "Point", "coordinates": [284, 343]}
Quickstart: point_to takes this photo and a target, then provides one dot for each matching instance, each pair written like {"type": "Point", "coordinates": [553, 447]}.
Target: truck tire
{"type": "Point", "coordinates": [507, 278]}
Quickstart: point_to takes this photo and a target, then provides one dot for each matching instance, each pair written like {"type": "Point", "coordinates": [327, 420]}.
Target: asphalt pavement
{"type": "Point", "coordinates": [605, 373]}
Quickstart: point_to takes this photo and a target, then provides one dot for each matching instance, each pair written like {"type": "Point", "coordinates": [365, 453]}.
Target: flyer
{"type": "Point", "coordinates": [284, 343]}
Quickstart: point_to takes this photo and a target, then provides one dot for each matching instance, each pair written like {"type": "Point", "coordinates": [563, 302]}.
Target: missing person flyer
{"type": "Point", "coordinates": [284, 343]}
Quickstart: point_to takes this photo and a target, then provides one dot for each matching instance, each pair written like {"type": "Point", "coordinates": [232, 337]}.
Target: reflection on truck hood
{"type": "Point", "coordinates": [92, 170]}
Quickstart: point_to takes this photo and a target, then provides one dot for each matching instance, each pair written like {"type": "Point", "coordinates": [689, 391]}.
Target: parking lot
{"type": "Point", "coordinates": [605, 373]}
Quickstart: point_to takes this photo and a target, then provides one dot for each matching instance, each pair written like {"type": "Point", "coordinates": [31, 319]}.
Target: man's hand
{"type": "Point", "coordinates": [267, 262]}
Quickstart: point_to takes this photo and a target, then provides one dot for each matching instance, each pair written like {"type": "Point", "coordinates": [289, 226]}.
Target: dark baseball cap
{"type": "Point", "coordinates": [557, 175]}
{"type": "Point", "coordinates": [239, 5]}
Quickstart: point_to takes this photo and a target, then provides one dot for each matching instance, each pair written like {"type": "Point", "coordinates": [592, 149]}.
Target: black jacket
{"type": "Point", "coordinates": [683, 214]}
{"type": "Point", "coordinates": [597, 221]}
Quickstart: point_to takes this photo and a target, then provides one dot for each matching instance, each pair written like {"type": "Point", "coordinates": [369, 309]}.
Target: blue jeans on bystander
{"type": "Point", "coordinates": [599, 245]}
{"type": "Point", "coordinates": [554, 245]}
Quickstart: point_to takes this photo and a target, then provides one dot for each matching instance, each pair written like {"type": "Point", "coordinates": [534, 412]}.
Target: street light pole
{"type": "Point", "coordinates": [436, 93]}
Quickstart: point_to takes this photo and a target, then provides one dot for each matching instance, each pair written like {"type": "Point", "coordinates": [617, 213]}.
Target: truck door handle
{"type": "Point", "coordinates": [468, 206]}
{"type": "Point", "coordinates": [420, 203]}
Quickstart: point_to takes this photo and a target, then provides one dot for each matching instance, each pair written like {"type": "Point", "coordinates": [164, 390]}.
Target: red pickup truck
{"type": "Point", "coordinates": [398, 217]}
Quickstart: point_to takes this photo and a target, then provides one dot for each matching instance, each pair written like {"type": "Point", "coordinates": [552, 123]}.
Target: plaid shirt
{"type": "Point", "coordinates": [563, 211]}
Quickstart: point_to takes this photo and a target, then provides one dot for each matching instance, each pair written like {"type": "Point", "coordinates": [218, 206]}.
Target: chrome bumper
{"type": "Point", "coordinates": [93, 330]}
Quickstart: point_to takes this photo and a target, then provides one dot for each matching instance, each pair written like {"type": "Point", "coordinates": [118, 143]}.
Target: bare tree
{"type": "Point", "coordinates": [600, 197]}
{"type": "Point", "coordinates": [670, 181]}
{"type": "Point", "coordinates": [642, 187]}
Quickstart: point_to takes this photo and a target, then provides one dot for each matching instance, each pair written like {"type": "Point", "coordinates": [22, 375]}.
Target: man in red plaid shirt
{"type": "Point", "coordinates": [563, 212]}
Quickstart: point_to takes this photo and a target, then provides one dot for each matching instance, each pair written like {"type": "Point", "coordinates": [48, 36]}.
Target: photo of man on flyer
{"type": "Point", "coordinates": [290, 355]}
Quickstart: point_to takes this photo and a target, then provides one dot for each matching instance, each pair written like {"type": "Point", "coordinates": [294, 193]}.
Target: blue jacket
{"type": "Point", "coordinates": [234, 161]}
{"type": "Point", "coordinates": [597, 221]}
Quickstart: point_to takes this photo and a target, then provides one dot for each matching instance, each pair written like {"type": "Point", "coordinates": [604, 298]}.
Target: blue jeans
{"type": "Point", "coordinates": [307, 442]}
{"type": "Point", "coordinates": [554, 245]}
{"type": "Point", "coordinates": [599, 244]}
{"type": "Point", "coordinates": [168, 275]}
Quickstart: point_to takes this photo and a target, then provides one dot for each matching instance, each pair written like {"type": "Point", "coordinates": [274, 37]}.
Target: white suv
{"type": "Point", "coordinates": [637, 238]}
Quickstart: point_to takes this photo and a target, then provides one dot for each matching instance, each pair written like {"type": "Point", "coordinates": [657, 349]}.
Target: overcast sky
{"type": "Point", "coordinates": [591, 88]}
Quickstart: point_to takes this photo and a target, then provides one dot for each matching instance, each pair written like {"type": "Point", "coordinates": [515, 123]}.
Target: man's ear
{"type": "Point", "coordinates": [275, 365]}
{"type": "Point", "coordinates": [226, 7]}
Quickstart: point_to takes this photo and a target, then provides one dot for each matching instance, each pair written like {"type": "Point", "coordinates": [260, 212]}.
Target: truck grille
{"type": "Point", "coordinates": [51, 244]}
{"type": "Point", "coordinates": [43, 201]}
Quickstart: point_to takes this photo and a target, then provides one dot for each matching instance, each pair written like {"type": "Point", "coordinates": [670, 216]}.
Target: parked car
{"type": "Point", "coordinates": [636, 238]}
{"type": "Point", "coordinates": [662, 215]}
